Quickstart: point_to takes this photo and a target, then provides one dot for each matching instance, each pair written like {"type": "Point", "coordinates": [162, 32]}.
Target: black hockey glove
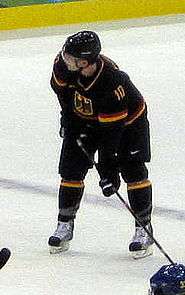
{"type": "Point", "coordinates": [109, 183]}
{"type": "Point", "coordinates": [108, 187]}
{"type": "Point", "coordinates": [108, 170]}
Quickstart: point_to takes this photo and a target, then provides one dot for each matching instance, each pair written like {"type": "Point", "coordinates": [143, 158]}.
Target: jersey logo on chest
{"type": "Point", "coordinates": [83, 104]}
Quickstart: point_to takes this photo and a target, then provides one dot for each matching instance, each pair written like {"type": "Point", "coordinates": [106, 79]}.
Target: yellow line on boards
{"type": "Point", "coordinates": [85, 11]}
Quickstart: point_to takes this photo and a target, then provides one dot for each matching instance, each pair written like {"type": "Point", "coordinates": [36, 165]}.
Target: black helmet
{"type": "Point", "coordinates": [84, 44]}
{"type": "Point", "coordinates": [168, 280]}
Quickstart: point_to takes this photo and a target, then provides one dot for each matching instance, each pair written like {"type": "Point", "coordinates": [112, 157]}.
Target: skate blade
{"type": "Point", "coordinates": [62, 248]}
{"type": "Point", "coordinates": [142, 253]}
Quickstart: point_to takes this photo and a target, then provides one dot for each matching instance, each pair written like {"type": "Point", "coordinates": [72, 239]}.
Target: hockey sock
{"type": "Point", "coordinates": [140, 199]}
{"type": "Point", "coordinates": [70, 195]}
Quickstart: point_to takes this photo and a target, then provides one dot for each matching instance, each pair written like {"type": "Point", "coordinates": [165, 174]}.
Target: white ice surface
{"type": "Point", "coordinates": [98, 261]}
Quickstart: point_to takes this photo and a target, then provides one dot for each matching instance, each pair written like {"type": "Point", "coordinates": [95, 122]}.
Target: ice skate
{"type": "Point", "coordinates": [60, 240]}
{"type": "Point", "coordinates": [141, 244]}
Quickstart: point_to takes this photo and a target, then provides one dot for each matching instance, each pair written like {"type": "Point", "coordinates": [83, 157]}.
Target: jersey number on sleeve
{"type": "Point", "coordinates": [119, 92]}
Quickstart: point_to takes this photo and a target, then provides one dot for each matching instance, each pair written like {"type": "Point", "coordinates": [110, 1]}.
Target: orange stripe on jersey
{"type": "Point", "coordinates": [104, 118]}
{"type": "Point", "coordinates": [137, 114]}
{"type": "Point", "coordinates": [58, 81]}
{"type": "Point", "coordinates": [138, 185]}
{"type": "Point", "coordinates": [75, 184]}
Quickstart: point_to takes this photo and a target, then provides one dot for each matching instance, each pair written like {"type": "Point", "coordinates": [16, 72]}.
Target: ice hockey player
{"type": "Point", "coordinates": [169, 280]}
{"type": "Point", "coordinates": [101, 106]}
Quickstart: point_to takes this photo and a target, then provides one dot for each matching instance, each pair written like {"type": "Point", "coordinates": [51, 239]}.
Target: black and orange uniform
{"type": "Point", "coordinates": [100, 110]}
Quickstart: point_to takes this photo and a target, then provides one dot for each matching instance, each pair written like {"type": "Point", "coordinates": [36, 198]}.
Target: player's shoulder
{"type": "Point", "coordinates": [109, 63]}
{"type": "Point", "coordinates": [113, 75]}
{"type": "Point", "coordinates": [124, 75]}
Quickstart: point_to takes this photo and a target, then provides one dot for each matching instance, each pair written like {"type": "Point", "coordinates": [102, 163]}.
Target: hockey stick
{"type": "Point", "coordinates": [128, 208]}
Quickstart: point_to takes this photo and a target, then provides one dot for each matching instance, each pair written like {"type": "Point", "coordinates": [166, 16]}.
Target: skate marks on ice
{"type": "Point", "coordinates": [107, 263]}
{"type": "Point", "coordinates": [102, 273]}
{"type": "Point", "coordinates": [14, 184]}
{"type": "Point", "coordinates": [97, 262]}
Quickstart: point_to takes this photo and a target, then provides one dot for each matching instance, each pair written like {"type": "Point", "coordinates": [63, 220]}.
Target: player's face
{"type": "Point", "coordinates": [71, 62]}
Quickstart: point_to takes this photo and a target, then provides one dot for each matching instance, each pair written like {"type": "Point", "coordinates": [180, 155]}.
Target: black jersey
{"type": "Point", "coordinates": [109, 97]}
{"type": "Point", "coordinates": [107, 102]}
